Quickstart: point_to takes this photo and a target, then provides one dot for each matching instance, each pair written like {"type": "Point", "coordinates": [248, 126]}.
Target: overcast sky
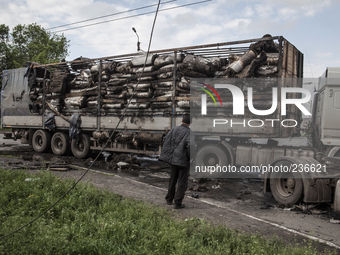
{"type": "Point", "coordinates": [311, 25]}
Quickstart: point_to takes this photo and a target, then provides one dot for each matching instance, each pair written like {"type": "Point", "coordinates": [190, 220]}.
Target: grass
{"type": "Point", "coordinates": [93, 221]}
{"type": "Point", "coordinates": [9, 156]}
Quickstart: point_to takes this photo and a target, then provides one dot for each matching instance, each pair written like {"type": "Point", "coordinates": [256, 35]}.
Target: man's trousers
{"type": "Point", "coordinates": [179, 175]}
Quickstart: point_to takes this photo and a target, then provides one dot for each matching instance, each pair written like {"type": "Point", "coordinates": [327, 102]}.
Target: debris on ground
{"type": "Point", "coordinates": [124, 161]}
{"type": "Point", "coordinates": [323, 210]}
{"type": "Point", "coordinates": [266, 206]}
{"type": "Point", "coordinates": [26, 157]}
{"type": "Point", "coordinates": [106, 155]}
{"type": "Point", "coordinates": [89, 160]}
{"type": "Point", "coordinates": [308, 209]}
{"type": "Point", "coordinates": [244, 192]}
{"type": "Point", "coordinates": [195, 195]}
{"type": "Point", "coordinates": [289, 208]}
{"type": "Point", "coordinates": [200, 180]}
{"type": "Point", "coordinates": [201, 188]}
{"type": "Point", "coordinates": [334, 221]}
{"type": "Point", "coordinates": [215, 186]}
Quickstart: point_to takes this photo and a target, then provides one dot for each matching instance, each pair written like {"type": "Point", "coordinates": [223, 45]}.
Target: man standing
{"type": "Point", "coordinates": [176, 152]}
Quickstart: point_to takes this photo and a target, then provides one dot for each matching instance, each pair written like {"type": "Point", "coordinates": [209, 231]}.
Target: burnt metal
{"type": "Point", "coordinates": [174, 91]}
{"type": "Point", "coordinates": [127, 57]}
{"type": "Point", "coordinates": [44, 96]}
{"type": "Point", "coordinates": [99, 91]}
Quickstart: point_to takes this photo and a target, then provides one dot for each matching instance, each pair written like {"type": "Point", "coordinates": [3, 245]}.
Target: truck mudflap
{"type": "Point", "coordinates": [316, 182]}
{"type": "Point", "coordinates": [317, 191]}
{"type": "Point", "coordinates": [317, 185]}
{"type": "Point", "coordinates": [337, 197]}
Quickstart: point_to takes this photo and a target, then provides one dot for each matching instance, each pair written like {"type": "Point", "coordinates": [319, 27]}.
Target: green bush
{"type": "Point", "coordinates": [93, 221]}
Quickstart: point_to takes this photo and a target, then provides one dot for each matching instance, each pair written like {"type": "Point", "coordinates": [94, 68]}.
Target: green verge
{"type": "Point", "coordinates": [5, 129]}
{"type": "Point", "coordinates": [94, 221]}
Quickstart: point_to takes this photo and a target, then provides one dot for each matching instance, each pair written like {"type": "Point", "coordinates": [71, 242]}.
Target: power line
{"type": "Point", "coordinates": [113, 14]}
{"type": "Point", "coordinates": [132, 16]}
{"type": "Point", "coordinates": [120, 119]}
{"type": "Point", "coordinates": [310, 66]}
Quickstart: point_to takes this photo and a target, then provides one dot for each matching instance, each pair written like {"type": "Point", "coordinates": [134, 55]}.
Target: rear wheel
{"type": "Point", "coordinates": [81, 148]}
{"type": "Point", "coordinates": [41, 141]}
{"type": "Point", "coordinates": [287, 188]}
{"type": "Point", "coordinates": [60, 143]}
{"type": "Point", "coordinates": [211, 155]}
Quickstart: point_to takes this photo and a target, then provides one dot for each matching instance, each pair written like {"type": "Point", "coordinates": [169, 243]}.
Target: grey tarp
{"type": "Point", "coordinates": [74, 130]}
{"type": "Point", "coordinates": [15, 99]}
{"type": "Point", "coordinates": [49, 121]}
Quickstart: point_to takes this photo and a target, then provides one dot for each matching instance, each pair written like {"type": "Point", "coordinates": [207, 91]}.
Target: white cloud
{"type": "Point", "coordinates": [287, 13]}
{"type": "Point", "coordinates": [248, 11]}
{"type": "Point", "coordinates": [304, 7]}
{"type": "Point", "coordinates": [323, 54]}
{"type": "Point", "coordinates": [264, 11]}
{"type": "Point", "coordinates": [237, 24]}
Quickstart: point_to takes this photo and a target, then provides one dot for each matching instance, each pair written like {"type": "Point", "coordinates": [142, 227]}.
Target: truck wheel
{"type": "Point", "coordinates": [81, 148]}
{"type": "Point", "coordinates": [60, 143]}
{"type": "Point", "coordinates": [41, 141]}
{"type": "Point", "coordinates": [287, 188]}
{"type": "Point", "coordinates": [211, 155]}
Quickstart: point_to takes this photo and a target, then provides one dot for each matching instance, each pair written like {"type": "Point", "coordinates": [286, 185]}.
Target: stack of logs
{"type": "Point", "coordinates": [75, 88]}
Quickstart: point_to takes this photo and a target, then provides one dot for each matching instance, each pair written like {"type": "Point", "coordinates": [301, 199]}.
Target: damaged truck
{"type": "Point", "coordinates": [73, 107]}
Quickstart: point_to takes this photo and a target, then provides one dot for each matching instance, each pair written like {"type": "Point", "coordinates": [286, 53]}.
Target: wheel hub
{"type": "Point", "coordinates": [40, 141]}
{"type": "Point", "coordinates": [81, 146]}
{"type": "Point", "coordinates": [211, 160]}
{"type": "Point", "coordinates": [286, 186]}
{"type": "Point", "coordinates": [290, 183]}
{"type": "Point", "coordinates": [59, 143]}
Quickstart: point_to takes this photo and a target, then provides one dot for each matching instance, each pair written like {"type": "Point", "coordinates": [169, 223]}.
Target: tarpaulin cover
{"type": "Point", "coordinates": [75, 131]}
{"type": "Point", "coordinates": [49, 121]}
{"type": "Point", "coordinates": [15, 99]}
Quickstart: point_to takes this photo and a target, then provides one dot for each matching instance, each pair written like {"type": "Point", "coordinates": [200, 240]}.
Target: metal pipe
{"type": "Point", "coordinates": [176, 49]}
{"type": "Point", "coordinates": [99, 93]}
{"type": "Point", "coordinates": [173, 116]}
{"type": "Point", "coordinates": [44, 94]}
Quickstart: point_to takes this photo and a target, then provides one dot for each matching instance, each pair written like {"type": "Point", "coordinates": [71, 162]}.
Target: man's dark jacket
{"type": "Point", "coordinates": [176, 146]}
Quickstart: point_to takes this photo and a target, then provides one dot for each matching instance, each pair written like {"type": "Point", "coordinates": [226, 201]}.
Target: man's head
{"type": "Point", "coordinates": [186, 119]}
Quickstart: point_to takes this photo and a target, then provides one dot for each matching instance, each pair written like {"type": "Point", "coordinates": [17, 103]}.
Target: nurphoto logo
{"type": "Point", "coordinates": [238, 104]}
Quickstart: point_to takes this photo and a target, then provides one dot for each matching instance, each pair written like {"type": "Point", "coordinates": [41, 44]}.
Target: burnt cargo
{"type": "Point", "coordinates": [100, 89]}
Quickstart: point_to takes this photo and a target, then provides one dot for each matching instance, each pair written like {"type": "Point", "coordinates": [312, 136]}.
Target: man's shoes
{"type": "Point", "coordinates": [169, 202]}
{"type": "Point", "coordinates": [177, 206]}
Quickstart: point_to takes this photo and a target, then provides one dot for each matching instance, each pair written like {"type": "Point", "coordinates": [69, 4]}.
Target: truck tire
{"type": "Point", "coordinates": [41, 141]}
{"type": "Point", "coordinates": [287, 188]}
{"type": "Point", "coordinates": [60, 144]}
{"type": "Point", "coordinates": [211, 155]}
{"type": "Point", "coordinates": [81, 148]}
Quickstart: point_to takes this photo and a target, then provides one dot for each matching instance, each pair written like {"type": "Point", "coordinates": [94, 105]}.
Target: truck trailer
{"type": "Point", "coordinates": [76, 106]}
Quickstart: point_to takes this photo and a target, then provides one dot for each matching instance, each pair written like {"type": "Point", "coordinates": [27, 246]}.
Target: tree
{"type": "Point", "coordinates": [4, 38]}
{"type": "Point", "coordinates": [30, 43]}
